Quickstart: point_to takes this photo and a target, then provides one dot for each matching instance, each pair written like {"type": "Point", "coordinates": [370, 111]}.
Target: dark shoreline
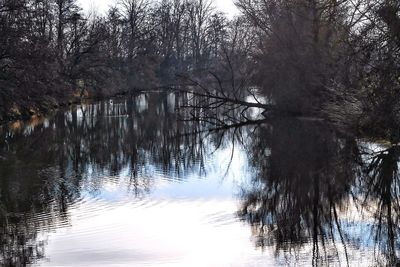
{"type": "Point", "coordinates": [45, 108]}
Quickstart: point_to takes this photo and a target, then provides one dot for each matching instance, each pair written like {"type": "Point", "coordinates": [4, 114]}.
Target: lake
{"type": "Point", "coordinates": [128, 182]}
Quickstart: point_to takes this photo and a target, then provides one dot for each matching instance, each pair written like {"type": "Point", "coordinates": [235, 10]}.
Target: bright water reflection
{"type": "Point", "coordinates": [125, 182]}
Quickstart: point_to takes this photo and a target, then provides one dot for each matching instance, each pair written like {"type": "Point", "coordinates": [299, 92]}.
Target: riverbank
{"type": "Point", "coordinates": [46, 105]}
{"type": "Point", "coordinates": [43, 107]}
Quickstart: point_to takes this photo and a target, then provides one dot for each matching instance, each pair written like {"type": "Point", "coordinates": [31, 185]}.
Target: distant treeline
{"type": "Point", "coordinates": [339, 59]}
{"type": "Point", "coordinates": [51, 50]}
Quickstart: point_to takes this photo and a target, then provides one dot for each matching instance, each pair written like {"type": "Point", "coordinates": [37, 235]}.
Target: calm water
{"type": "Point", "coordinates": [127, 182]}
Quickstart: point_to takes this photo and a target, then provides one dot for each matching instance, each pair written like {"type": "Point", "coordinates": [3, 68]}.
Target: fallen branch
{"type": "Point", "coordinates": [226, 99]}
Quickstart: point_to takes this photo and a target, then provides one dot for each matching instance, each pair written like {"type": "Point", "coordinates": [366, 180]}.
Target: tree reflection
{"type": "Point", "coordinates": [312, 185]}
{"type": "Point", "coordinates": [303, 183]}
{"type": "Point", "coordinates": [309, 182]}
{"type": "Point", "coordinates": [380, 198]}
{"type": "Point", "coordinates": [46, 164]}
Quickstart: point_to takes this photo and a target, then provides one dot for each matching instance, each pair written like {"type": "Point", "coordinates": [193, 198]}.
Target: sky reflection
{"type": "Point", "coordinates": [122, 183]}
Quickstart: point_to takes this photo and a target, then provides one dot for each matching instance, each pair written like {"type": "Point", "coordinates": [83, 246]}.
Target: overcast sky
{"type": "Point", "coordinates": [226, 6]}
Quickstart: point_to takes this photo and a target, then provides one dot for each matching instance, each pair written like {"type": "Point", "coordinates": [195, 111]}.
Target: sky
{"type": "Point", "coordinates": [225, 6]}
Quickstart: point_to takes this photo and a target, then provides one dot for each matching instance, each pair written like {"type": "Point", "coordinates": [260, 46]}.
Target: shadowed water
{"type": "Point", "coordinates": [127, 182]}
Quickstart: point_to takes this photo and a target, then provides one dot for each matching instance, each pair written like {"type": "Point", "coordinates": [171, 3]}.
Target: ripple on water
{"type": "Point", "coordinates": [150, 230]}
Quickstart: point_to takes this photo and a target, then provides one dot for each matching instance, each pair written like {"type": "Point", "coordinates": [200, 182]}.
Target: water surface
{"type": "Point", "coordinates": [128, 182]}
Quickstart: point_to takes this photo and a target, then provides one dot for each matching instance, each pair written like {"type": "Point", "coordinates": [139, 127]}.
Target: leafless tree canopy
{"type": "Point", "coordinates": [337, 59]}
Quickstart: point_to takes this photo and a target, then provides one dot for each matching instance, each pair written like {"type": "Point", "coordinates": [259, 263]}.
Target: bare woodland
{"type": "Point", "coordinates": [333, 59]}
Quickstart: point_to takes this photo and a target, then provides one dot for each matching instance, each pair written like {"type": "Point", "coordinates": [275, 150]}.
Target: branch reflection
{"type": "Point", "coordinates": [316, 195]}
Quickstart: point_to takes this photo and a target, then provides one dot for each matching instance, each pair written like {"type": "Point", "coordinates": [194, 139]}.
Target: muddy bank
{"type": "Point", "coordinates": [25, 110]}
